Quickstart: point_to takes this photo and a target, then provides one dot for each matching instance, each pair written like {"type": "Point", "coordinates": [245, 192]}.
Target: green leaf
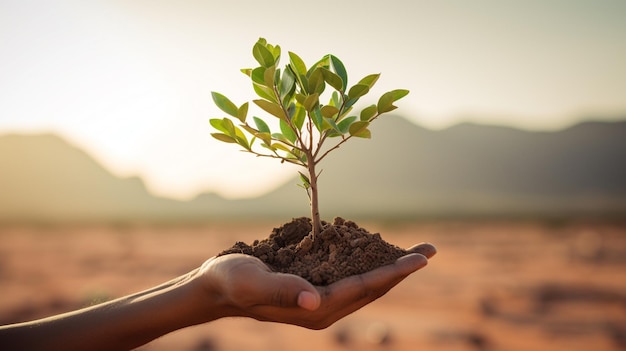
{"type": "Point", "coordinates": [298, 117]}
{"type": "Point", "coordinates": [332, 79]}
{"type": "Point", "coordinates": [316, 82]}
{"type": "Point", "coordinates": [329, 124]}
{"type": "Point", "coordinates": [344, 125]}
{"type": "Point", "coordinates": [276, 75]}
{"type": "Point", "coordinates": [329, 111]}
{"type": "Point", "coordinates": [334, 99]}
{"type": "Point", "coordinates": [385, 103]}
{"type": "Point", "coordinates": [323, 62]}
{"type": "Point", "coordinates": [302, 80]}
{"type": "Point", "coordinates": [242, 112]}
{"type": "Point", "coordinates": [370, 80]}
{"type": "Point", "coordinates": [311, 101]}
{"type": "Point", "coordinates": [269, 75]}
{"type": "Point", "coordinates": [297, 64]}
{"type": "Point", "coordinates": [251, 143]}
{"type": "Point", "coordinates": [287, 84]}
{"type": "Point", "coordinates": [357, 91]}
{"type": "Point", "coordinates": [306, 183]}
{"type": "Point", "coordinates": [318, 119]}
{"type": "Point", "coordinates": [340, 69]}
{"type": "Point", "coordinates": [348, 104]}
{"type": "Point", "coordinates": [368, 112]}
{"type": "Point", "coordinates": [264, 92]}
{"type": "Point", "coordinates": [359, 129]}
{"type": "Point", "coordinates": [261, 125]}
{"type": "Point", "coordinates": [298, 68]}
{"type": "Point", "coordinates": [229, 127]}
{"type": "Point", "coordinates": [224, 103]}
{"type": "Point", "coordinates": [275, 50]}
{"type": "Point", "coordinates": [300, 98]}
{"type": "Point", "coordinates": [240, 138]}
{"type": "Point", "coordinates": [399, 94]}
{"type": "Point", "coordinates": [258, 75]}
{"type": "Point", "coordinates": [223, 137]}
{"type": "Point", "coordinates": [287, 131]}
{"type": "Point", "coordinates": [218, 124]}
{"type": "Point", "coordinates": [291, 109]}
{"type": "Point", "coordinates": [280, 146]}
{"type": "Point", "coordinates": [262, 55]}
{"type": "Point", "coordinates": [271, 108]}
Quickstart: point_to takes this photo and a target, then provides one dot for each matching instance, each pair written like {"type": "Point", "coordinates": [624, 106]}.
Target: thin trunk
{"type": "Point", "coordinates": [316, 220]}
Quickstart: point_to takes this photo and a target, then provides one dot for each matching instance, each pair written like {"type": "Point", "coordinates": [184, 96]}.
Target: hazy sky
{"type": "Point", "coordinates": [130, 81]}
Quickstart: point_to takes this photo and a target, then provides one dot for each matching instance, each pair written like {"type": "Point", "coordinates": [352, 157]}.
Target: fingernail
{"type": "Point", "coordinates": [425, 249]}
{"type": "Point", "coordinates": [308, 300]}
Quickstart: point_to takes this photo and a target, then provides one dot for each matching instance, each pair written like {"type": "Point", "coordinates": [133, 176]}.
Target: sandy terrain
{"type": "Point", "coordinates": [492, 286]}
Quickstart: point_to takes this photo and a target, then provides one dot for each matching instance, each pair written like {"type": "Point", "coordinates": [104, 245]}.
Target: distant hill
{"type": "Point", "coordinates": [43, 178]}
{"type": "Point", "coordinates": [473, 169]}
{"type": "Point", "coordinates": [404, 171]}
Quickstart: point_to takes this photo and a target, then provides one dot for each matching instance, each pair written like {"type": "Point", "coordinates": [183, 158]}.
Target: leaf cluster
{"type": "Point", "coordinates": [292, 95]}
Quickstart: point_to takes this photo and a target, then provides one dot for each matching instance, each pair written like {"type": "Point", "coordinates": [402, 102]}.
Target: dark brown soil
{"type": "Point", "coordinates": [341, 250]}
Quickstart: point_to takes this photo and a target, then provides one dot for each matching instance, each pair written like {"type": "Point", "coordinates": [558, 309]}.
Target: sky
{"type": "Point", "coordinates": [130, 81]}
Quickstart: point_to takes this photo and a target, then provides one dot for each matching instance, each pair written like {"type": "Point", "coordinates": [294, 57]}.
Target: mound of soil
{"type": "Point", "coordinates": [341, 250]}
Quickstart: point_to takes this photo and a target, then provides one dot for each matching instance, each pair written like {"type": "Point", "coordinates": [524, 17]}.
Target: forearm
{"type": "Point", "coordinates": [120, 324]}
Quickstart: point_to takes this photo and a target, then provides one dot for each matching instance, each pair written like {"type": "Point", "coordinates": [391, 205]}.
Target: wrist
{"type": "Point", "coordinates": [195, 301]}
{"type": "Point", "coordinates": [210, 280]}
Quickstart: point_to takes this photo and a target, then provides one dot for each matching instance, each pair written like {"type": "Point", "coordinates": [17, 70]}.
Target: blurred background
{"type": "Point", "coordinates": [509, 154]}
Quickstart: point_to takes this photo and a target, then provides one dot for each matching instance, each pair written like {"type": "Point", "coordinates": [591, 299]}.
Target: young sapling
{"type": "Point", "coordinates": [305, 125]}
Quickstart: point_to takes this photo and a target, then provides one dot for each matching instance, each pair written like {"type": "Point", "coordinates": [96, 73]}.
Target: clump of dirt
{"type": "Point", "coordinates": [341, 250]}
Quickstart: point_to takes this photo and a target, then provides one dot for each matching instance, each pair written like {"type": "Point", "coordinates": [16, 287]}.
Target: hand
{"type": "Point", "coordinates": [245, 286]}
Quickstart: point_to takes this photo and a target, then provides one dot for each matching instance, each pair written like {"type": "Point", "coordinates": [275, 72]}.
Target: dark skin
{"type": "Point", "coordinates": [225, 286]}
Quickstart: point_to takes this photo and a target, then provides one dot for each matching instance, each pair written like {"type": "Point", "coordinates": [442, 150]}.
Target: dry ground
{"type": "Point", "coordinates": [492, 286]}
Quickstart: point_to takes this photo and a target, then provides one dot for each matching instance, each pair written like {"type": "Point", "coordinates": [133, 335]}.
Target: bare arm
{"type": "Point", "coordinates": [121, 324]}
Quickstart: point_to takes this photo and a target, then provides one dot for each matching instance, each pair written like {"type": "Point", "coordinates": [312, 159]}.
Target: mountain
{"type": "Point", "coordinates": [473, 169]}
{"type": "Point", "coordinates": [44, 178]}
{"type": "Point", "coordinates": [404, 171]}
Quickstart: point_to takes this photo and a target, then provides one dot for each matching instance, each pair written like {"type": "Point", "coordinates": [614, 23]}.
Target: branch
{"type": "Point", "coordinates": [342, 141]}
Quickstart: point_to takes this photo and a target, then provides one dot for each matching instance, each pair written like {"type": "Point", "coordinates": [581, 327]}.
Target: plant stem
{"type": "Point", "coordinates": [316, 220]}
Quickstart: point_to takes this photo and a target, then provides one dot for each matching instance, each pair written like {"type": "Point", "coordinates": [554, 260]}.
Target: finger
{"type": "Point", "coordinates": [426, 249]}
{"type": "Point", "coordinates": [354, 292]}
{"type": "Point", "coordinates": [384, 278]}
